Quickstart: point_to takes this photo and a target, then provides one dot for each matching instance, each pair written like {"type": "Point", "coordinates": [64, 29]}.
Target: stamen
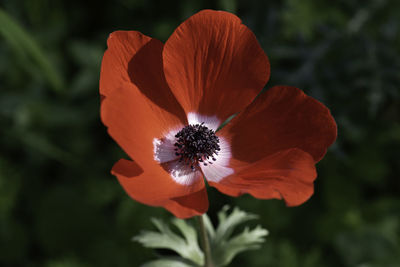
{"type": "Point", "coordinates": [196, 143]}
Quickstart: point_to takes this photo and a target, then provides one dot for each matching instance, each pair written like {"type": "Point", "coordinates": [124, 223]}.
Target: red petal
{"type": "Point", "coordinates": [214, 64]}
{"type": "Point", "coordinates": [153, 187]}
{"type": "Point", "coordinates": [138, 105]}
{"type": "Point", "coordinates": [190, 205]}
{"type": "Point", "coordinates": [122, 46]}
{"type": "Point", "coordinates": [132, 57]}
{"type": "Point", "coordinates": [286, 174]}
{"type": "Point", "coordinates": [281, 118]}
{"type": "Point", "coordinates": [134, 121]}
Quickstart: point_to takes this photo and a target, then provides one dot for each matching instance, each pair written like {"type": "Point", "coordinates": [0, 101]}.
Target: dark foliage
{"type": "Point", "coordinates": [59, 204]}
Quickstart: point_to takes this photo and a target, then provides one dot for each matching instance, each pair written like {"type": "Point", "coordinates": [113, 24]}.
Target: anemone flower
{"type": "Point", "coordinates": [164, 104]}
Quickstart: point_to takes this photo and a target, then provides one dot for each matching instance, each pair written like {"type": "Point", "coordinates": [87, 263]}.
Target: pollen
{"type": "Point", "coordinates": [196, 144]}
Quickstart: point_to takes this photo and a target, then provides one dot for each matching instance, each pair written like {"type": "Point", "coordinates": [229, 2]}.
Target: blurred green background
{"type": "Point", "coordinates": [61, 207]}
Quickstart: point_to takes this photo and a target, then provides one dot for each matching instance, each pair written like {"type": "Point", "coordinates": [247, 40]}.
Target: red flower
{"type": "Point", "coordinates": [162, 103]}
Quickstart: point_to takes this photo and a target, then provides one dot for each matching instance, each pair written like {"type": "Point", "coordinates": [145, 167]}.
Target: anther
{"type": "Point", "coordinates": [196, 143]}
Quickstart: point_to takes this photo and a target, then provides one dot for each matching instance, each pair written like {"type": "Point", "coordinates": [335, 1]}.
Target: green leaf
{"type": "Point", "coordinates": [247, 240]}
{"type": "Point", "coordinates": [167, 263]}
{"type": "Point", "coordinates": [10, 184]}
{"type": "Point", "coordinates": [224, 247]}
{"type": "Point", "coordinates": [226, 121]}
{"type": "Point", "coordinates": [187, 246]}
{"type": "Point", "coordinates": [25, 46]}
{"type": "Point", "coordinates": [209, 227]}
{"type": "Point", "coordinates": [228, 5]}
{"type": "Point", "coordinates": [43, 145]}
{"type": "Point", "coordinates": [228, 223]}
{"type": "Point", "coordinates": [67, 262]}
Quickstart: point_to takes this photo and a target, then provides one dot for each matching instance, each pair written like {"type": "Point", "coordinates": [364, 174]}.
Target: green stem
{"type": "Point", "coordinates": [205, 243]}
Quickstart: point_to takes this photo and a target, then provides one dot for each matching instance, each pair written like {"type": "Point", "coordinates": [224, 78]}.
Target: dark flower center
{"type": "Point", "coordinates": [196, 143]}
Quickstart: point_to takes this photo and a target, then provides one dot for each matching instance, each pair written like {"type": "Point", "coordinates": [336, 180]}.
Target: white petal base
{"type": "Point", "coordinates": [211, 122]}
{"type": "Point", "coordinates": [215, 171]}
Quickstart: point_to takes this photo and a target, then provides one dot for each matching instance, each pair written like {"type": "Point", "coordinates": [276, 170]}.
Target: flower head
{"type": "Point", "coordinates": [163, 104]}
